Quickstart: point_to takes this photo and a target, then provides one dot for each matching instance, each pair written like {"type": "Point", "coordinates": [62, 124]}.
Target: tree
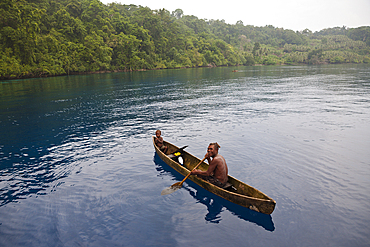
{"type": "Point", "coordinates": [256, 47]}
{"type": "Point", "coordinates": [360, 33]}
{"type": "Point", "coordinates": [19, 28]}
{"type": "Point", "coordinates": [50, 37]}
{"type": "Point", "coordinates": [314, 56]}
{"type": "Point", "coordinates": [307, 32]}
{"type": "Point", "coordinates": [178, 13]}
{"type": "Point", "coordinates": [96, 52]}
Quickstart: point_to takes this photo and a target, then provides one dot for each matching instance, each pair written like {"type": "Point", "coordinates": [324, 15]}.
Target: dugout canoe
{"type": "Point", "coordinates": [236, 191]}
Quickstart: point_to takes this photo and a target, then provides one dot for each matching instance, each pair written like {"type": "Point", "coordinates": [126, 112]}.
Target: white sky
{"type": "Point", "coordinates": [288, 14]}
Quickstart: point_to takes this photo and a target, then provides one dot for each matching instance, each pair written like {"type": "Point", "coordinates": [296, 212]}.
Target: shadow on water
{"type": "Point", "coordinates": [214, 203]}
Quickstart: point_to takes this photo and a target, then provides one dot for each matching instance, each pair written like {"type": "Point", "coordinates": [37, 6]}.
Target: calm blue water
{"type": "Point", "coordinates": [78, 167]}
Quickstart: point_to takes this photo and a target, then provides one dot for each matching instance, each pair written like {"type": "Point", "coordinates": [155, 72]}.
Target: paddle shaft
{"type": "Point", "coordinates": [192, 170]}
{"type": "Point", "coordinates": [180, 149]}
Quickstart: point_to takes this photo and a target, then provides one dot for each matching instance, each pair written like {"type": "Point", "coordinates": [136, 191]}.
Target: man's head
{"type": "Point", "coordinates": [213, 149]}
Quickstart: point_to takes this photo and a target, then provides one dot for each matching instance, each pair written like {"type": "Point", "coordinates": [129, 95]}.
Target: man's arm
{"type": "Point", "coordinates": [212, 166]}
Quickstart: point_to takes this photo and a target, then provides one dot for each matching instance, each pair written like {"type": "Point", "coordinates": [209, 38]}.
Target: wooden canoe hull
{"type": "Point", "coordinates": [244, 195]}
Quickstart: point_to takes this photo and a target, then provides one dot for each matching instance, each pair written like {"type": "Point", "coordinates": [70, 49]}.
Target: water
{"type": "Point", "coordinates": [78, 167]}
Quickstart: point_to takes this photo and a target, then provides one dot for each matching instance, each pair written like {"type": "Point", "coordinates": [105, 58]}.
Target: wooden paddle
{"type": "Point", "coordinates": [178, 185]}
{"type": "Point", "coordinates": [180, 149]}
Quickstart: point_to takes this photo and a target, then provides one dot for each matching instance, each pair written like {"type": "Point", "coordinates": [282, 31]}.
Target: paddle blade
{"type": "Point", "coordinates": [171, 189]}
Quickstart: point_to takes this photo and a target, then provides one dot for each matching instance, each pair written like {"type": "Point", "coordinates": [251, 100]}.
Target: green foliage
{"type": "Point", "coordinates": [50, 37]}
{"type": "Point", "coordinates": [9, 65]}
{"type": "Point", "coordinates": [256, 48]}
{"type": "Point", "coordinates": [271, 60]}
{"type": "Point", "coordinates": [361, 33]}
{"type": "Point", "coordinates": [332, 31]}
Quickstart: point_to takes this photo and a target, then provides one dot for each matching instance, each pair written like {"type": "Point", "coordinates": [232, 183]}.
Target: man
{"type": "Point", "coordinates": [217, 170]}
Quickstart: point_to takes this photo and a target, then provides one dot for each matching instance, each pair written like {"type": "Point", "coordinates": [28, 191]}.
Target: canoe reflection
{"type": "Point", "coordinates": [214, 203]}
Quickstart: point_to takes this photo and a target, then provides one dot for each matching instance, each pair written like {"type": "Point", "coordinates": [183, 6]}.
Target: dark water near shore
{"type": "Point", "coordinates": [77, 166]}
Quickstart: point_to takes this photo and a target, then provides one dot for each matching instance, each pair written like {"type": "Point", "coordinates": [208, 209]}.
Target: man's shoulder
{"type": "Point", "coordinates": [219, 156]}
{"type": "Point", "coordinates": [220, 159]}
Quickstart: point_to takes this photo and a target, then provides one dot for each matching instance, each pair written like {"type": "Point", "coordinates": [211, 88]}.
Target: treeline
{"type": "Point", "coordinates": [50, 37]}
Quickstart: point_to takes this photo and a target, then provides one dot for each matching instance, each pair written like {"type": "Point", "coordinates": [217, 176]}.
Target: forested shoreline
{"type": "Point", "coordinates": [48, 38]}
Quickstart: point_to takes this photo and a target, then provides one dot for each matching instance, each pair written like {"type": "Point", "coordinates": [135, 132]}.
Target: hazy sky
{"type": "Point", "coordinates": [288, 14]}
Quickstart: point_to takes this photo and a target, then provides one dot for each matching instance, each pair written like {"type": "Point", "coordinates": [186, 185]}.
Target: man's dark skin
{"type": "Point", "coordinates": [217, 165]}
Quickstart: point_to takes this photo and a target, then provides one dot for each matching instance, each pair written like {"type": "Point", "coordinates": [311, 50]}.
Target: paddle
{"type": "Point", "coordinates": [177, 153]}
{"type": "Point", "coordinates": [180, 149]}
{"type": "Point", "coordinates": [178, 185]}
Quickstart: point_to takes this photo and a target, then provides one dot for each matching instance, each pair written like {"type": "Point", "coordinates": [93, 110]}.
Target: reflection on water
{"type": "Point", "coordinates": [50, 125]}
{"type": "Point", "coordinates": [299, 133]}
{"type": "Point", "coordinates": [214, 203]}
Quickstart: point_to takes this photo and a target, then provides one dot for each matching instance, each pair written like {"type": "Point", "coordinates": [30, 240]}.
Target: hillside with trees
{"type": "Point", "coordinates": [48, 37]}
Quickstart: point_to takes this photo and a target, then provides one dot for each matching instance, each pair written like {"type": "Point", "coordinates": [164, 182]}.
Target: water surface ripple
{"type": "Point", "coordinates": [77, 166]}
